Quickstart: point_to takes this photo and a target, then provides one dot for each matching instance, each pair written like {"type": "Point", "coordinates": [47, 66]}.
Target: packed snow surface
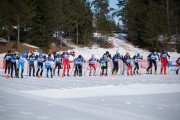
{"type": "Point", "coordinates": [146, 97]}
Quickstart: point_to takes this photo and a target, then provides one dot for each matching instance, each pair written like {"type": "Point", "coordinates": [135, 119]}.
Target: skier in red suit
{"type": "Point", "coordinates": [164, 61]}
{"type": "Point", "coordinates": [66, 63]}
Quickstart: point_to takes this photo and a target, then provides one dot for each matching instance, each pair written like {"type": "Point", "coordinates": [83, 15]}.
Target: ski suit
{"type": "Point", "coordinates": [40, 61]}
{"type": "Point", "coordinates": [136, 63]}
{"type": "Point", "coordinates": [92, 65]}
{"type": "Point", "coordinates": [66, 63]}
{"type": "Point", "coordinates": [78, 66]}
{"type": "Point", "coordinates": [178, 65]}
{"type": "Point", "coordinates": [164, 61]}
{"type": "Point", "coordinates": [152, 59]}
{"type": "Point", "coordinates": [49, 66]}
{"type": "Point", "coordinates": [58, 62]}
{"type": "Point", "coordinates": [115, 60]}
{"type": "Point", "coordinates": [13, 65]}
{"type": "Point", "coordinates": [127, 61]}
{"type": "Point", "coordinates": [7, 57]}
{"type": "Point", "coordinates": [32, 59]}
{"type": "Point", "coordinates": [103, 62]}
{"type": "Point", "coordinates": [109, 56]}
{"type": "Point", "coordinates": [21, 61]}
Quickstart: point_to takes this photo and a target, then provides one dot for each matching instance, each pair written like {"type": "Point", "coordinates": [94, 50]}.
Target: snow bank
{"type": "Point", "coordinates": [30, 46]}
{"type": "Point", "coordinates": [109, 90]}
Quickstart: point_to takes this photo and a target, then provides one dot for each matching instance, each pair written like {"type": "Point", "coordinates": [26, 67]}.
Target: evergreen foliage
{"type": "Point", "coordinates": [146, 20]}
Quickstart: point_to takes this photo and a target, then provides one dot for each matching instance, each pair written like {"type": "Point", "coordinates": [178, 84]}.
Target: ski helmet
{"type": "Point", "coordinates": [40, 54]}
{"type": "Point", "coordinates": [58, 55]}
{"type": "Point", "coordinates": [105, 56]}
{"type": "Point", "coordinates": [9, 51]}
{"type": "Point", "coordinates": [23, 52]}
{"type": "Point", "coordinates": [49, 55]}
{"type": "Point", "coordinates": [79, 56]}
{"type": "Point", "coordinates": [138, 54]}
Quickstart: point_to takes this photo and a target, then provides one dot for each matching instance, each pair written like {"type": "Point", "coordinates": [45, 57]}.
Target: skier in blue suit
{"type": "Point", "coordinates": [103, 62]}
{"type": "Point", "coordinates": [58, 62]}
{"type": "Point", "coordinates": [49, 65]}
{"type": "Point", "coordinates": [78, 65]}
{"type": "Point", "coordinates": [152, 57]}
{"type": "Point", "coordinates": [13, 64]}
{"type": "Point", "coordinates": [32, 59]}
{"type": "Point", "coordinates": [40, 60]}
{"type": "Point", "coordinates": [136, 58]}
{"type": "Point", "coordinates": [21, 61]}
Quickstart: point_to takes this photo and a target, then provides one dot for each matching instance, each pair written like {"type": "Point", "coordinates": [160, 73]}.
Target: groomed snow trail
{"type": "Point", "coordinates": [146, 97]}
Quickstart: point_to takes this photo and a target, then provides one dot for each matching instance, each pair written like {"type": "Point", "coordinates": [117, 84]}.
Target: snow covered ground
{"type": "Point", "coordinates": [145, 97]}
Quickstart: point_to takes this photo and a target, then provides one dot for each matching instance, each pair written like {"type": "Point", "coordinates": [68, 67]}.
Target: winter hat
{"type": "Point", "coordinates": [127, 53]}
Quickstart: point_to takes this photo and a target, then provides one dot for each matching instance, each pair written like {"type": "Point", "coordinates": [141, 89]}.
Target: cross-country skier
{"type": "Point", "coordinates": [108, 56]}
{"type": "Point", "coordinates": [7, 58]}
{"type": "Point", "coordinates": [78, 65]}
{"type": "Point", "coordinates": [32, 59]}
{"type": "Point", "coordinates": [178, 65]}
{"type": "Point", "coordinates": [127, 61]}
{"type": "Point", "coordinates": [13, 64]}
{"type": "Point", "coordinates": [152, 59]}
{"type": "Point", "coordinates": [115, 60]}
{"type": "Point", "coordinates": [66, 63]}
{"type": "Point", "coordinates": [58, 62]}
{"type": "Point", "coordinates": [40, 60]}
{"type": "Point", "coordinates": [92, 64]}
{"type": "Point", "coordinates": [136, 58]}
{"type": "Point", "coordinates": [148, 60]}
{"type": "Point", "coordinates": [103, 63]}
{"type": "Point", "coordinates": [21, 61]}
{"type": "Point", "coordinates": [49, 65]}
{"type": "Point", "coordinates": [164, 61]}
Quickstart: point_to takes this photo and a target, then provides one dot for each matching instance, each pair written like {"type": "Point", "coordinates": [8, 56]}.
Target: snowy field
{"type": "Point", "coordinates": [139, 97]}
{"type": "Point", "coordinates": [146, 97]}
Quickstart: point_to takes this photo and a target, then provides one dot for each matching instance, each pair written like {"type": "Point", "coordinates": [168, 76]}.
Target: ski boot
{"type": "Point", "coordinates": [134, 72]}
{"type": "Point", "coordinates": [147, 71]}
{"type": "Point", "coordinates": [21, 75]}
{"type": "Point", "coordinates": [80, 74]}
{"type": "Point", "coordinates": [155, 72]}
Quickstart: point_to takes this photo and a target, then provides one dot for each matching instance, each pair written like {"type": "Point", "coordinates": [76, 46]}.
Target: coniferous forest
{"type": "Point", "coordinates": [152, 24]}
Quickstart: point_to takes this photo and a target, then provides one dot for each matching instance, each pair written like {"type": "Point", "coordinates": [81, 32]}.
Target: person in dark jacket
{"type": "Point", "coordinates": [13, 64]}
{"type": "Point", "coordinates": [7, 58]}
{"type": "Point", "coordinates": [32, 59]}
{"type": "Point", "coordinates": [136, 59]}
{"type": "Point", "coordinates": [103, 63]}
{"type": "Point", "coordinates": [108, 56]}
{"type": "Point", "coordinates": [178, 65]}
{"type": "Point", "coordinates": [115, 60]}
{"type": "Point", "coordinates": [152, 59]}
{"type": "Point", "coordinates": [78, 65]}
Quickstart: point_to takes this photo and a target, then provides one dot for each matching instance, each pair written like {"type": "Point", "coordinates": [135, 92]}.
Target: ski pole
{"type": "Point", "coordinates": [72, 70]}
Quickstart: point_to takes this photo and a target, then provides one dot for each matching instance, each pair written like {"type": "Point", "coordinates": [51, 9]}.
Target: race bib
{"type": "Point", "coordinates": [103, 64]}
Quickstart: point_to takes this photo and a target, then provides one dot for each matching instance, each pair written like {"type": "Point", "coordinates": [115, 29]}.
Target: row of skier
{"type": "Point", "coordinates": [16, 62]}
